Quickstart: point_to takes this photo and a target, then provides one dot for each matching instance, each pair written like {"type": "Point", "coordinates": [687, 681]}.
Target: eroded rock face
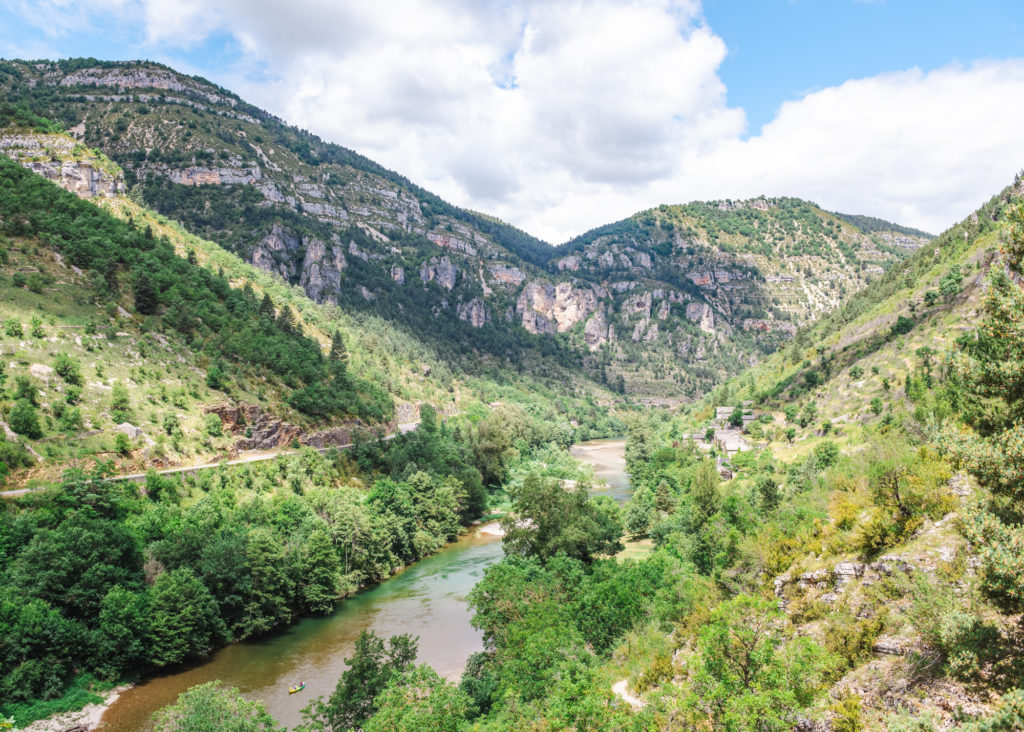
{"type": "Point", "coordinates": [84, 174]}
{"type": "Point", "coordinates": [571, 263]}
{"type": "Point", "coordinates": [321, 270]}
{"type": "Point", "coordinates": [547, 308]}
{"type": "Point", "coordinates": [273, 252]}
{"type": "Point", "coordinates": [398, 274]}
{"type": "Point", "coordinates": [473, 312]}
{"type": "Point", "coordinates": [701, 313]}
{"type": "Point", "coordinates": [452, 242]}
{"type": "Point", "coordinates": [768, 326]}
{"type": "Point", "coordinates": [264, 431]}
{"type": "Point", "coordinates": [139, 78]}
{"type": "Point", "coordinates": [638, 304]}
{"type": "Point", "coordinates": [598, 331]}
{"type": "Point", "coordinates": [199, 176]}
{"type": "Point", "coordinates": [440, 269]}
{"type": "Point", "coordinates": [503, 274]}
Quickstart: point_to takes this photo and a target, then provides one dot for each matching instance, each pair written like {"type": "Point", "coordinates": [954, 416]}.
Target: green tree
{"type": "Point", "coordinates": [736, 417]}
{"type": "Point", "coordinates": [951, 282]}
{"type": "Point", "coordinates": [808, 414]}
{"type": "Point", "coordinates": [24, 420]}
{"type": "Point", "coordinates": [768, 492]}
{"type": "Point", "coordinates": [747, 675]}
{"type": "Point", "coordinates": [215, 377]}
{"type": "Point", "coordinates": [212, 707]}
{"type": "Point", "coordinates": [320, 573]}
{"type": "Point", "coordinates": [706, 497]}
{"type": "Point", "coordinates": [121, 633]}
{"type": "Point", "coordinates": [825, 455]}
{"type": "Point", "coordinates": [547, 519]}
{"type": "Point", "coordinates": [419, 701]}
{"type": "Point", "coordinates": [370, 668]}
{"type": "Point", "coordinates": [68, 369]}
{"type": "Point", "coordinates": [338, 351]}
{"type": "Point", "coordinates": [25, 389]}
{"type": "Point", "coordinates": [639, 512]}
{"type": "Point", "coordinates": [147, 300]}
{"type": "Point", "coordinates": [988, 375]}
{"type": "Point", "coordinates": [184, 622]}
{"type": "Point", "coordinates": [267, 590]}
{"type": "Point", "coordinates": [428, 418]}
{"type": "Point", "coordinates": [120, 404]}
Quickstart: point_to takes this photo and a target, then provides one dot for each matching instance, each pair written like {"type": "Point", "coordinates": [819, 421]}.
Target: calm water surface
{"type": "Point", "coordinates": [427, 599]}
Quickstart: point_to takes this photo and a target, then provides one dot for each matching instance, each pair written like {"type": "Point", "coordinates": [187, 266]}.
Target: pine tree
{"type": "Point", "coordinates": [286, 319]}
{"type": "Point", "coordinates": [146, 298]}
{"type": "Point", "coordinates": [338, 350]}
{"type": "Point", "coordinates": [267, 306]}
{"type": "Point", "coordinates": [988, 374]}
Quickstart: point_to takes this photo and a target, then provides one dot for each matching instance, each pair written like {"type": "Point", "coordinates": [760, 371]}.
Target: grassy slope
{"type": "Point", "coordinates": [833, 512]}
{"type": "Point", "coordinates": [163, 376]}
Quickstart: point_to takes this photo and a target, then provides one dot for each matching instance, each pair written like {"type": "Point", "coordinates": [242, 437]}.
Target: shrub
{"type": "Point", "coordinates": [212, 425]}
{"type": "Point", "coordinates": [825, 455]}
{"type": "Point", "coordinates": [68, 369]}
{"type": "Point", "coordinates": [847, 714]}
{"type": "Point", "coordinates": [852, 639]}
{"type": "Point", "coordinates": [24, 420]}
{"type": "Point", "coordinates": [659, 671]}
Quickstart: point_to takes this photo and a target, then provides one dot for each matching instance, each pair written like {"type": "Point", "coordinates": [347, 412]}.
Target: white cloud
{"type": "Point", "coordinates": [561, 115]}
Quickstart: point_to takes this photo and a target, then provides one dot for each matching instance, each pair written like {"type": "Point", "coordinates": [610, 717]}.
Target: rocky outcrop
{"type": "Point", "coordinates": [273, 253]}
{"type": "Point", "coordinates": [571, 263]}
{"type": "Point", "coordinates": [638, 304]}
{"type": "Point", "coordinates": [261, 431]}
{"type": "Point", "coordinates": [598, 331]}
{"type": "Point", "coordinates": [140, 77]}
{"type": "Point", "coordinates": [547, 308]}
{"type": "Point", "coordinates": [473, 312]}
{"type": "Point", "coordinates": [453, 242]}
{"type": "Point", "coordinates": [63, 161]}
{"type": "Point", "coordinates": [321, 270]}
{"type": "Point", "coordinates": [701, 313]}
{"type": "Point", "coordinates": [504, 274]}
{"type": "Point", "coordinates": [398, 274]}
{"type": "Point", "coordinates": [440, 269]}
{"type": "Point", "coordinates": [768, 326]}
{"type": "Point", "coordinates": [200, 176]}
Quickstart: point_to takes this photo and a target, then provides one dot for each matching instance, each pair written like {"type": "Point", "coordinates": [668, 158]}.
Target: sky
{"type": "Point", "coordinates": [562, 115]}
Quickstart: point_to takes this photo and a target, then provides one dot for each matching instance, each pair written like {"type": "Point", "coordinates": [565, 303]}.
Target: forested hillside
{"type": "Point", "coordinates": [664, 304]}
{"type": "Point", "coordinates": [857, 568]}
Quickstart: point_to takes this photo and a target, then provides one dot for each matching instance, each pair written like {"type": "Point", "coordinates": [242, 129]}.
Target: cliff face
{"type": "Point", "coordinates": [68, 164]}
{"type": "Point", "coordinates": [673, 299]}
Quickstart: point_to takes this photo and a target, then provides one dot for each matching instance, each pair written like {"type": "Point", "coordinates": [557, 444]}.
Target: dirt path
{"type": "Point", "coordinates": [620, 689]}
{"type": "Point", "coordinates": [255, 457]}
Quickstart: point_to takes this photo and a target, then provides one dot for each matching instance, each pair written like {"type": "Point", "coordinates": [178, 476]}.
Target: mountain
{"type": "Point", "coordinates": [663, 304]}
{"type": "Point", "coordinates": [136, 342]}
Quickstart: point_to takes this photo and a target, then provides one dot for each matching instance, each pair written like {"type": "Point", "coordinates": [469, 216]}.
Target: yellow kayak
{"type": "Point", "coordinates": [297, 687]}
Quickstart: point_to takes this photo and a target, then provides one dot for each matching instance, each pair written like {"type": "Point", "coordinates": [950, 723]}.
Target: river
{"type": "Point", "coordinates": [427, 599]}
{"type": "Point", "coordinates": [608, 459]}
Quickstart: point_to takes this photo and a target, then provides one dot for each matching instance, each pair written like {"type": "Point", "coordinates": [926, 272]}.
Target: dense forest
{"type": "Point", "coordinates": [107, 580]}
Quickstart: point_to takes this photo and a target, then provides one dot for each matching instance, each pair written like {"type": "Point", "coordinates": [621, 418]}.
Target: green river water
{"type": "Point", "coordinates": [427, 599]}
